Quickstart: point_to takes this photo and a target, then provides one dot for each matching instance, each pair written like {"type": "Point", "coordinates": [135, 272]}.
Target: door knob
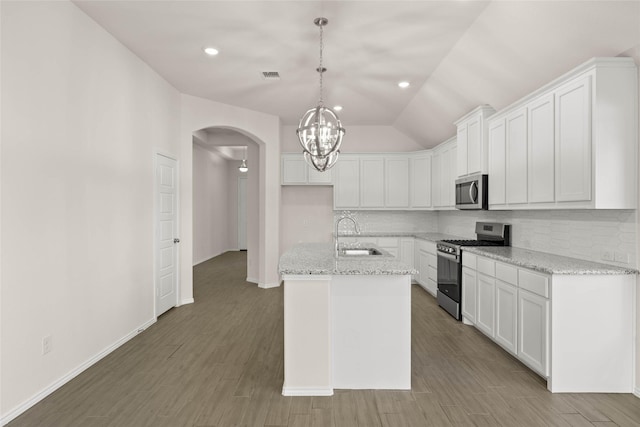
{"type": "Point", "coordinates": [176, 240]}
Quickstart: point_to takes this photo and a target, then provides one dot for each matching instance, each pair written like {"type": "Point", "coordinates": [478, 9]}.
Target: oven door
{"type": "Point", "coordinates": [449, 276]}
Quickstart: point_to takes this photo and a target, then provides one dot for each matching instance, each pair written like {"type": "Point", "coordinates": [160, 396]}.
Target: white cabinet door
{"type": "Point", "coordinates": [317, 177]}
{"type": "Point", "coordinates": [497, 163]}
{"type": "Point", "coordinates": [346, 191]}
{"type": "Point", "coordinates": [406, 252]}
{"type": "Point", "coordinates": [396, 179]}
{"type": "Point", "coordinates": [423, 267]}
{"type": "Point", "coordinates": [474, 146]}
{"type": "Point", "coordinates": [540, 159]}
{"type": "Point", "coordinates": [573, 141]}
{"type": "Point", "coordinates": [469, 294]}
{"type": "Point", "coordinates": [371, 182]}
{"type": "Point", "coordinates": [436, 178]}
{"type": "Point", "coordinates": [294, 170]}
{"type": "Point", "coordinates": [420, 184]}
{"type": "Point", "coordinates": [451, 186]}
{"type": "Point", "coordinates": [533, 331]}
{"type": "Point", "coordinates": [516, 179]}
{"type": "Point", "coordinates": [485, 310]}
{"type": "Point", "coordinates": [506, 316]}
{"type": "Point", "coordinates": [461, 160]}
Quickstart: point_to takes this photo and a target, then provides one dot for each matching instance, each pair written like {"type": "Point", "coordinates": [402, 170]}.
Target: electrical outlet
{"type": "Point", "coordinates": [46, 344]}
{"type": "Point", "coordinates": [607, 255]}
{"type": "Point", "coordinates": [622, 257]}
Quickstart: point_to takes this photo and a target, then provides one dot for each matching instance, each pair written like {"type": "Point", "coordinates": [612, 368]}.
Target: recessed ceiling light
{"type": "Point", "coordinates": [404, 85]}
{"type": "Point", "coordinates": [211, 51]}
{"type": "Point", "coordinates": [338, 108]}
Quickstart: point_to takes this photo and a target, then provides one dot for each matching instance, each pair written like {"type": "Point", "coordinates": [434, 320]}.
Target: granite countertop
{"type": "Point", "coordinates": [424, 235]}
{"type": "Point", "coordinates": [545, 262]}
{"type": "Point", "coordinates": [319, 259]}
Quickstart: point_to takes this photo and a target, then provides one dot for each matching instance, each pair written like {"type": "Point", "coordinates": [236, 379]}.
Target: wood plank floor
{"type": "Point", "coordinates": [218, 362]}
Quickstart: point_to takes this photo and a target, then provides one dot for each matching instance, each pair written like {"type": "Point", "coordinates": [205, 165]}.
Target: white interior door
{"type": "Point", "coordinates": [166, 237]}
{"type": "Point", "coordinates": [242, 213]}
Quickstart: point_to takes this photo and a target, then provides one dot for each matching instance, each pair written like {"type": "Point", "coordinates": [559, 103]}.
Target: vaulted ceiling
{"type": "Point", "coordinates": [456, 54]}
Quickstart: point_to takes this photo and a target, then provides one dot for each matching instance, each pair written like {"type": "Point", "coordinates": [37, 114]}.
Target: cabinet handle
{"type": "Point", "coordinates": [471, 192]}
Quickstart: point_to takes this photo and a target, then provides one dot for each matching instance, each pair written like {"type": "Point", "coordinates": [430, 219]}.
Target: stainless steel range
{"type": "Point", "coordinates": [450, 262]}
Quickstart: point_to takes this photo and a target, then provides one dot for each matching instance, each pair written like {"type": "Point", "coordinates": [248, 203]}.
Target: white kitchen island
{"type": "Point", "coordinates": [347, 321]}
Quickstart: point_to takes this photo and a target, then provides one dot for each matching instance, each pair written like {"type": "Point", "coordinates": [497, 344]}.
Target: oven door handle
{"type": "Point", "coordinates": [448, 256]}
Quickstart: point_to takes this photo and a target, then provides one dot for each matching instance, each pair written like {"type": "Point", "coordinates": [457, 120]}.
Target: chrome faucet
{"type": "Point", "coordinates": [355, 226]}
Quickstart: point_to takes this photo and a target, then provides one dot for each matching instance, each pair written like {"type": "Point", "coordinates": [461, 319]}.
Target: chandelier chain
{"type": "Point", "coordinates": [320, 69]}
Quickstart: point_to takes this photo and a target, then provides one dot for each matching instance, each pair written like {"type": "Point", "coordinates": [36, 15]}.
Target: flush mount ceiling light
{"type": "Point", "coordinates": [320, 131]}
{"type": "Point", "coordinates": [404, 84]}
{"type": "Point", "coordinates": [243, 166]}
{"type": "Point", "coordinates": [211, 51]}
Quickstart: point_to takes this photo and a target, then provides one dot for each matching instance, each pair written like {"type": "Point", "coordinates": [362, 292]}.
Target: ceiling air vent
{"type": "Point", "coordinates": [270, 75]}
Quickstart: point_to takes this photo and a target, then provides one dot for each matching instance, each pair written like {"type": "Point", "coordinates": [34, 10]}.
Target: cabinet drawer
{"type": "Point", "coordinates": [426, 246]}
{"type": "Point", "coordinates": [388, 242]}
{"type": "Point", "coordinates": [507, 273]}
{"type": "Point", "coordinates": [486, 266]}
{"type": "Point", "coordinates": [469, 260]}
{"type": "Point", "coordinates": [534, 282]}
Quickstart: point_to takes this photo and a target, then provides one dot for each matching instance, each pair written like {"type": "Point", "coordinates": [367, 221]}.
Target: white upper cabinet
{"type": "Point", "coordinates": [472, 141]}
{"type": "Point", "coordinates": [396, 192]}
{"type": "Point", "coordinates": [541, 154]}
{"type": "Point", "coordinates": [295, 171]}
{"type": "Point", "coordinates": [516, 143]}
{"type": "Point", "coordinates": [372, 182]}
{"type": "Point", "coordinates": [346, 190]}
{"type": "Point", "coordinates": [497, 162]}
{"type": "Point", "coordinates": [420, 182]}
{"type": "Point", "coordinates": [572, 144]}
{"type": "Point", "coordinates": [444, 174]}
{"type": "Point", "coordinates": [573, 141]}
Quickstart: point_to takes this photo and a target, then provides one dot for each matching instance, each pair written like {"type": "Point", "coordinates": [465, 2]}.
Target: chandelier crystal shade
{"type": "Point", "coordinates": [320, 131]}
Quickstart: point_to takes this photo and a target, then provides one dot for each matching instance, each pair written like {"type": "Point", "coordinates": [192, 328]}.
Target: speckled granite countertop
{"type": "Point", "coordinates": [545, 262]}
{"type": "Point", "coordinates": [319, 259]}
{"type": "Point", "coordinates": [430, 236]}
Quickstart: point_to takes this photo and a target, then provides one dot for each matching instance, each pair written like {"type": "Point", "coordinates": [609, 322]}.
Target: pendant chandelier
{"type": "Point", "coordinates": [320, 131]}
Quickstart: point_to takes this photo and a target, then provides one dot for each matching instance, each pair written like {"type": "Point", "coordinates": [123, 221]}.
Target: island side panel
{"type": "Point", "coordinates": [592, 320]}
{"type": "Point", "coordinates": [307, 336]}
{"type": "Point", "coordinates": [371, 332]}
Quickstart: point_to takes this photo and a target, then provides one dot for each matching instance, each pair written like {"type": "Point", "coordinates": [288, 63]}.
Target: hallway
{"type": "Point", "coordinates": [218, 362]}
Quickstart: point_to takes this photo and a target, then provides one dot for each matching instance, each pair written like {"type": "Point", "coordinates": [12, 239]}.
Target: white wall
{"type": "Point", "coordinates": [77, 182]}
{"type": "Point", "coordinates": [264, 129]}
{"type": "Point", "coordinates": [211, 216]}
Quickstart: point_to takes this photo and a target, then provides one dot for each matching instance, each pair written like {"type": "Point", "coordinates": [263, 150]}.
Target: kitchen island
{"type": "Point", "coordinates": [347, 321]}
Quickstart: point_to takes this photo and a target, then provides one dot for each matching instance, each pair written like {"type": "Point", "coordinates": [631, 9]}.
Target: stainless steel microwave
{"type": "Point", "coordinates": [471, 192]}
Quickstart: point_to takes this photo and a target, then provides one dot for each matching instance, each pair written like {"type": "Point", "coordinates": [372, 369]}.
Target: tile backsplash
{"type": "Point", "coordinates": [583, 234]}
{"type": "Point", "coordinates": [391, 221]}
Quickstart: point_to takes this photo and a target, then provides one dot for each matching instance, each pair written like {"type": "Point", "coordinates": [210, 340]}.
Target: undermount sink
{"type": "Point", "coordinates": [359, 251]}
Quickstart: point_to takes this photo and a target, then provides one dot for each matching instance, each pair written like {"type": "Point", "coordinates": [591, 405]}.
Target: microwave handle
{"type": "Point", "coordinates": [472, 197]}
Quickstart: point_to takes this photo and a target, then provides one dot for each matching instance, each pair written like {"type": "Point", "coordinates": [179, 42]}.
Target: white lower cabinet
{"type": "Point", "coordinates": [506, 331]}
{"type": "Point", "coordinates": [575, 330]}
{"type": "Point", "coordinates": [533, 331]}
{"type": "Point", "coordinates": [469, 299]}
{"type": "Point", "coordinates": [485, 299]}
{"type": "Point", "coordinates": [427, 265]}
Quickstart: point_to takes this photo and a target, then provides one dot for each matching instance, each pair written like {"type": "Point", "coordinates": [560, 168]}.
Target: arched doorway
{"type": "Point", "coordinates": [225, 200]}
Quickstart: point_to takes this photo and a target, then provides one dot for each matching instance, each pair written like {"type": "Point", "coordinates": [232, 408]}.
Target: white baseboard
{"type": "Point", "coordinates": [295, 391]}
{"type": "Point", "coordinates": [252, 280]}
{"type": "Point", "coordinates": [15, 412]}
{"type": "Point", "coordinates": [186, 301]}
{"type": "Point", "coordinates": [268, 285]}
